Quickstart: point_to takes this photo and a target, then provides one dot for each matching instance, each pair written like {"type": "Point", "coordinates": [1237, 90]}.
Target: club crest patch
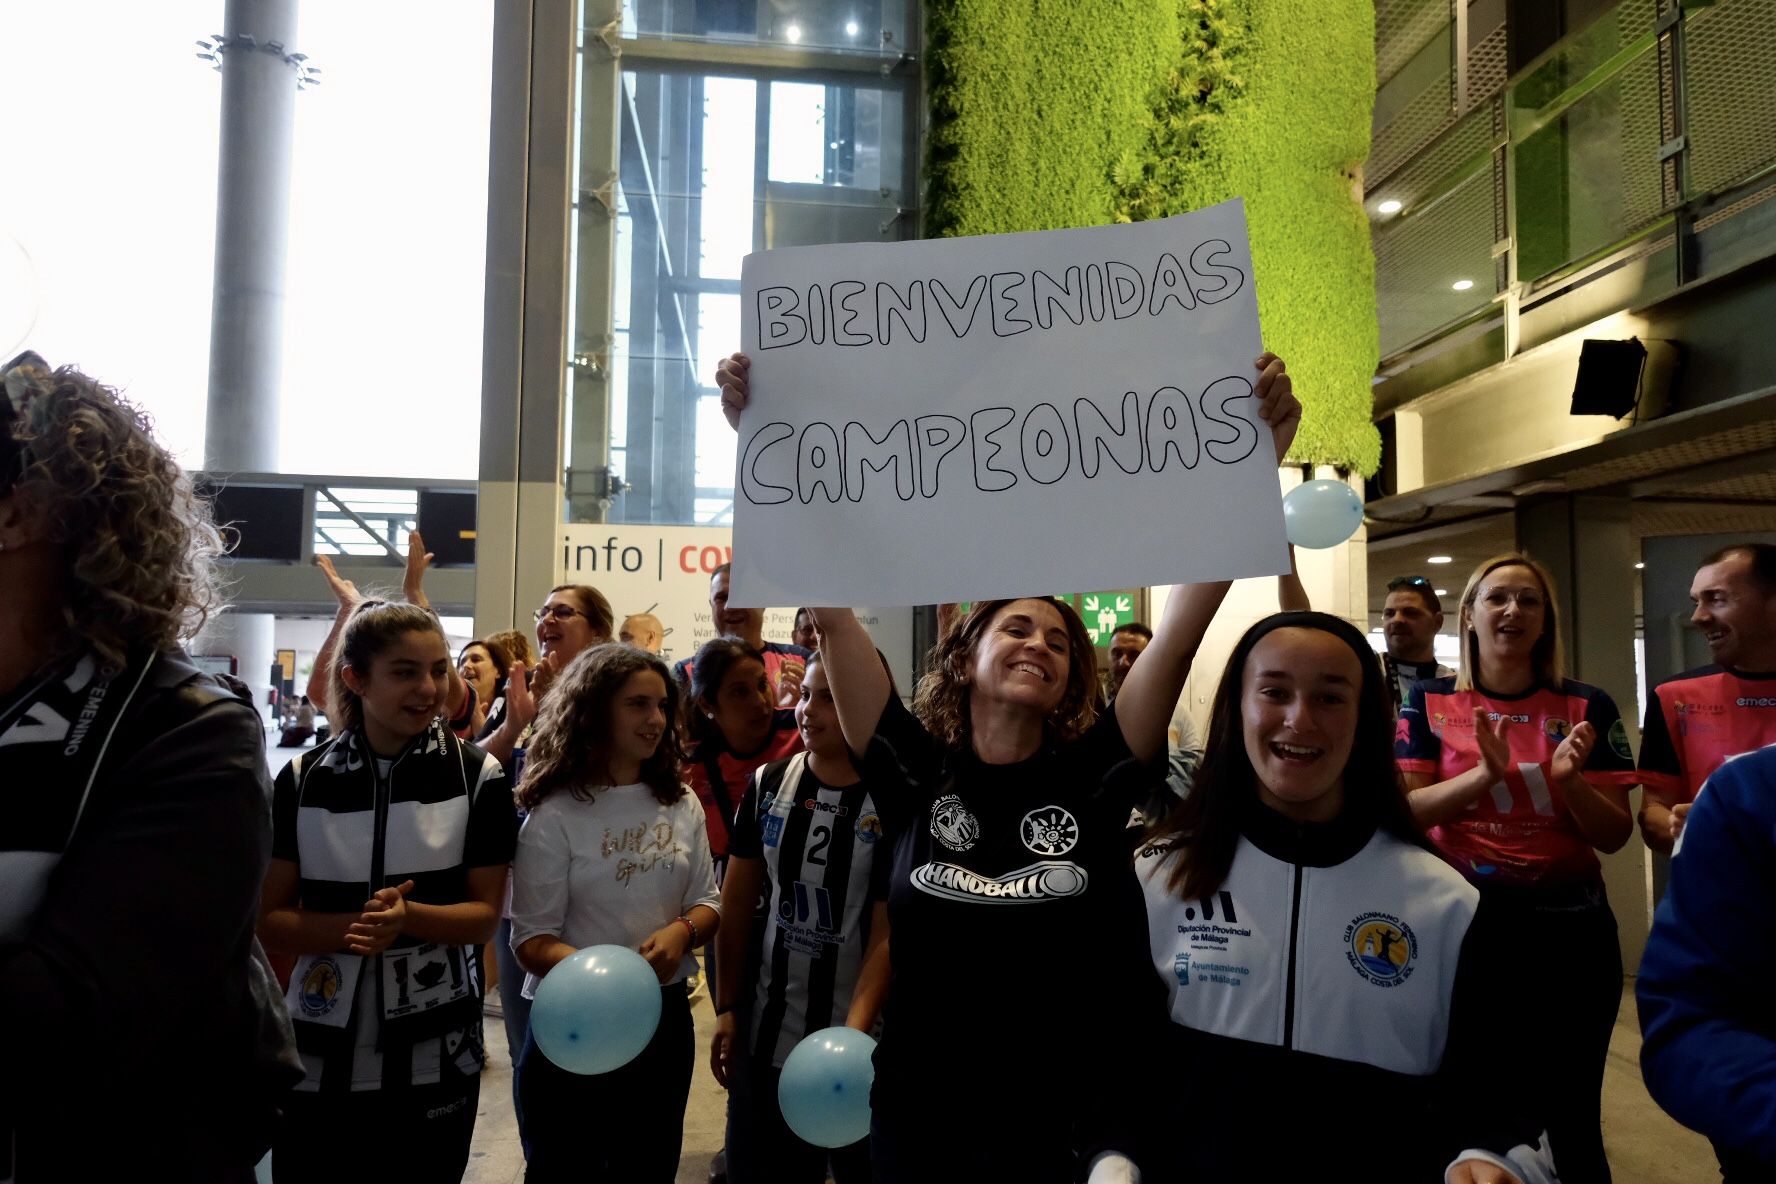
{"type": "Point", "coordinates": [320, 988]}
{"type": "Point", "coordinates": [952, 824]}
{"type": "Point", "coordinates": [869, 827]}
{"type": "Point", "coordinates": [1381, 948]}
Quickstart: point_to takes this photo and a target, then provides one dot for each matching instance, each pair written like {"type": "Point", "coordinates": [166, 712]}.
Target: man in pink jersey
{"type": "Point", "coordinates": [1697, 720]}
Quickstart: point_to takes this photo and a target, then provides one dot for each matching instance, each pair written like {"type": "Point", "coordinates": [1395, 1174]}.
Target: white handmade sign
{"type": "Point", "coordinates": [958, 419]}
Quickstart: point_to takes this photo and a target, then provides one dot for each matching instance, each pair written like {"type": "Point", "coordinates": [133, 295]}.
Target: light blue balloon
{"type": "Point", "coordinates": [597, 1009]}
{"type": "Point", "coordinates": [1320, 514]}
{"type": "Point", "coordinates": [825, 1087]}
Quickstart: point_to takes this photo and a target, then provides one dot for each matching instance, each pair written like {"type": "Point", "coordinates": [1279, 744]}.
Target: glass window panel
{"type": "Point", "coordinates": [715, 446]}
{"type": "Point", "coordinates": [718, 332]}
{"type": "Point", "coordinates": [729, 130]}
{"type": "Point", "coordinates": [619, 382]}
{"type": "Point", "coordinates": [862, 26]}
{"type": "Point", "coordinates": [834, 135]}
{"type": "Point", "coordinates": [692, 206]}
{"type": "Point", "coordinates": [715, 511]}
{"type": "Point", "coordinates": [621, 264]}
{"type": "Point", "coordinates": [1590, 177]}
{"type": "Point", "coordinates": [798, 132]}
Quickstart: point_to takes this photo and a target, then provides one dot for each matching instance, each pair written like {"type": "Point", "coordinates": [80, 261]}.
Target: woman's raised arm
{"type": "Point", "coordinates": [1149, 694]}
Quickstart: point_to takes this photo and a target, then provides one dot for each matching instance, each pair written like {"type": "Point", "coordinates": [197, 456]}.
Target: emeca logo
{"type": "Point", "coordinates": [1047, 880]}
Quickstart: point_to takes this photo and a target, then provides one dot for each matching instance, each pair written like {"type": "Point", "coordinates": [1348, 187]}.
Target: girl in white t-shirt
{"type": "Point", "coordinates": [614, 851]}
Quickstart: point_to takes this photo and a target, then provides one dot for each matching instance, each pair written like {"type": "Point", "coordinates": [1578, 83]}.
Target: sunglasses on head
{"type": "Point", "coordinates": [1398, 582]}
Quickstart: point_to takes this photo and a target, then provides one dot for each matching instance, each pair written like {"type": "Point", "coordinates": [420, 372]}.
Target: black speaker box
{"type": "Point", "coordinates": [447, 520]}
{"type": "Point", "coordinates": [1609, 377]}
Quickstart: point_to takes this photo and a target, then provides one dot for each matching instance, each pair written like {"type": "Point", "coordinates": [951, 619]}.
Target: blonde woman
{"type": "Point", "coordinates": [1521, 775]}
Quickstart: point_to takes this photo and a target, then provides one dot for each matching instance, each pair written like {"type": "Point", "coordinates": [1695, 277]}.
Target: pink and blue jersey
{"type": "Point", "coordinates": [1697, 721]}
{"type": "Point", "coordinates": [1520, 831]}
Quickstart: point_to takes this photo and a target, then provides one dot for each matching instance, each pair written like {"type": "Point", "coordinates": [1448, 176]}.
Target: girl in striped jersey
{"type": "Point", "coordinates": [613, 852]}
{"type": "Point", "coordinates": [804, 847]}
{"type": "Point", "coordinates": [1521, 775]}
{"type": "Point", "coordinates": [386, 993]}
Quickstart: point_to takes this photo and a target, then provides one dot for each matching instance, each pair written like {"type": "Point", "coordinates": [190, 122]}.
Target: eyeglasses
{"type": "Point", "coordinates": [560, 612]}
{"type": "Point", "coordinates": [1523, 598]}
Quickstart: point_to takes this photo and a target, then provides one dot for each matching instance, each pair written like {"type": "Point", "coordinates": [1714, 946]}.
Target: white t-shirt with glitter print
{"type": "Point", "coordinates": [611, 870]}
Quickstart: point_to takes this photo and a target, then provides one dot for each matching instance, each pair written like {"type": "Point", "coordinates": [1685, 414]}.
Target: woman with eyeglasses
{"type": "Point", "coordinates": [1521, 775]}
{"type": "Point", "coordinates": [572, 620]}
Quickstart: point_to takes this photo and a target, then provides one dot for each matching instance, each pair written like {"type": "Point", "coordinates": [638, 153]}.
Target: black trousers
{"type": "Point", "coordinates": [974, 1146]}
{"type": "Point", "coordinates": [1565, 1023]}
{"type": "Point", "coordinates": [418, 1136]}
{"type": "Point", "coordinates": [625, 1126]}
{"type": "Point", "coordinates": [761, 1147]}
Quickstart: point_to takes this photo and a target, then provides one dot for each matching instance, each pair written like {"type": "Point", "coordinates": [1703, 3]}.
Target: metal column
{"type": "Point", "coordinates": [260, 75]}
{"type": "Point", "coordinates": [259, 80]}
{"type": "Point", "coordinates": [524, 355]}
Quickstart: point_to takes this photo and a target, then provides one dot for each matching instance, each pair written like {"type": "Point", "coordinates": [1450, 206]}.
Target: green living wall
{"type": "Point", "coordinates": [1056, 113]}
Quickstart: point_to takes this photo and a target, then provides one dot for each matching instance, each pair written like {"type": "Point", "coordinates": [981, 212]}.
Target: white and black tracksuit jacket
{"type": "Point", "coordinates": [1332, 1011]}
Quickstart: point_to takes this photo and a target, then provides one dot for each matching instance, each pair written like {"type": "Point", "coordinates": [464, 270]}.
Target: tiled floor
{"type": "Point", "coordinates": [1645, 1146]}
{"type": "Point", "coordinates": [496, 1158]}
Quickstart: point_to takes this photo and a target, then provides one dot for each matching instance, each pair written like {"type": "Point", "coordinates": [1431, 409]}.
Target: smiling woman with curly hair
{"type": "Point", "coordinates": [130, 871]}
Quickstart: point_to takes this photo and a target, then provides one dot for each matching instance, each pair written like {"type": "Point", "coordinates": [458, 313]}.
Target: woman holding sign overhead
{"type": "Point", "coordinates": [1018, 980]}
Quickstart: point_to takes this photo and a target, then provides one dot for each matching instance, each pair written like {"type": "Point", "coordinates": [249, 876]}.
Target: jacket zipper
{"type": "Point", "coordinates": [1294, 934]}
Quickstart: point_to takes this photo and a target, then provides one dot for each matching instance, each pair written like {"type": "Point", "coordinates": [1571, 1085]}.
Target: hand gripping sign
{"type": "Point", "coordinates": [969, 418]}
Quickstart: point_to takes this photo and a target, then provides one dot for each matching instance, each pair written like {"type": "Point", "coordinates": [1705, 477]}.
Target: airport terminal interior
{"type": "Point", "coordinates": [464, 273]}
